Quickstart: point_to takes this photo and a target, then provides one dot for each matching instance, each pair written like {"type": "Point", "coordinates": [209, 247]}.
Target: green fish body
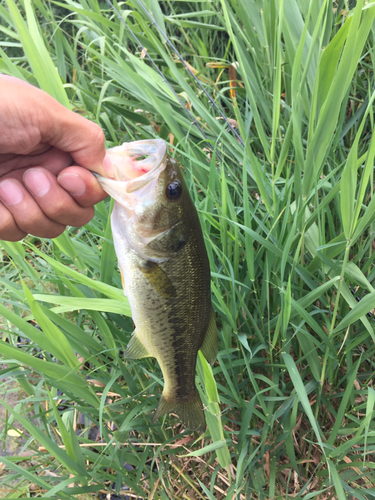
{"type": "Point", "coordinates": [165, 271]}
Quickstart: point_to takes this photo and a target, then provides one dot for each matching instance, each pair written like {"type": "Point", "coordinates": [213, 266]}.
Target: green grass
{"type": "Point", "coordinates": [289, 226]}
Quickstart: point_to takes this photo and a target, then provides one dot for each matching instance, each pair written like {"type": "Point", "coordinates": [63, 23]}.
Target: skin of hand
{"type": "Point", "coordinates": [46, 152]}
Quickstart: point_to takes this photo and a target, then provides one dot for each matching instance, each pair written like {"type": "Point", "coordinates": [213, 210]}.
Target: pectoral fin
{"type": "Point", "coordinates": [158, 279]}
{"type": "Point", "coordinates": [210, 344]}
{"type": "Point", "coordinates": [136, 349]}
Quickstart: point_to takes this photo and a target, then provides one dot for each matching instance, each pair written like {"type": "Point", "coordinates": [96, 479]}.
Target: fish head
{"type": "Point", "coordinates": [152, 202]}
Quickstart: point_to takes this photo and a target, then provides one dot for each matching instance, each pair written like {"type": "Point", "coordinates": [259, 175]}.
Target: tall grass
{"type": "Point", "coordinates": [288, 221]}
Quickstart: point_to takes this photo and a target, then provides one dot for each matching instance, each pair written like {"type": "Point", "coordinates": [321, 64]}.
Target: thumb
{"type": "Point", "coordinates": [82, 139]}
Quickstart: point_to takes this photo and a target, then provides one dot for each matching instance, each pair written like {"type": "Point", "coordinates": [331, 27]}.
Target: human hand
{"type": "Point", "coordinates": [45, 153]}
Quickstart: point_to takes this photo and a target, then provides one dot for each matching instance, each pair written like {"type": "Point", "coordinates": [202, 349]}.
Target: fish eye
{"type": "Point", "coordinates": [174, 190]}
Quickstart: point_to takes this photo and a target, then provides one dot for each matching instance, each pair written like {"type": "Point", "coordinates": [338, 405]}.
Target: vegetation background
{"type": "Point", "coordinates": [288, 217]}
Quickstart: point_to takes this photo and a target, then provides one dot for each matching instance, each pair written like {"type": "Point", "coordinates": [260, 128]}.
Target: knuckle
{"type": "Point", "coordinates": [27, 222]}
{"type": "Point", "coordinates": [81, 217]}
{"type": "Point", "coordinates": [52, 231]}
{"type": "Point", "coordinates": [9, 231]}
{"type": "Point", "coordinates": [57, 210]}
{"type": "Point", "coordinates": [17, 235]}
{"type": "Point", "coordinates": [86, 216]}
{"type": "Point", "coordinates": [37, 224]}
{"type": "Point", "coordinates": [7, 222]}
{"type": "Point", "coordinates": [97, 136]}
{"type": "Point", "coordinates": [55, 232]}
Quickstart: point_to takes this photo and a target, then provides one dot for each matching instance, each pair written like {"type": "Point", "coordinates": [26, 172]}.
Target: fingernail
{"type": "Point", "coordinates": [72, 183]}
{"type": "Point", "coordinates": [36, 182]}
{"type": "Point", "coordinates": [10, 192]}
{"type": "Point", "coordinates": [108, 167]}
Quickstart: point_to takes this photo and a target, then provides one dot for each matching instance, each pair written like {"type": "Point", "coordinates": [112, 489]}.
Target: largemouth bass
{"type": "Point", "coordinates": [165, 271]}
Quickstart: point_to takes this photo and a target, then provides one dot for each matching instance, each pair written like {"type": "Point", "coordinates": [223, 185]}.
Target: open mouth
{"type": "Point", "coordinates": [135, 159]}
{"type": "Point", "coordinates": [137, 168]}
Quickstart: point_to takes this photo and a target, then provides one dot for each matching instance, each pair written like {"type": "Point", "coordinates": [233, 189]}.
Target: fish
{"type": "Point", "coordinates": [165, 272]}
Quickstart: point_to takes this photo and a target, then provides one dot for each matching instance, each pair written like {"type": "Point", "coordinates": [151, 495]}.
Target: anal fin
{"type": "Point", "coordinates": [210, 345]}
{"type": "Point", "coordinates": [135, 349]}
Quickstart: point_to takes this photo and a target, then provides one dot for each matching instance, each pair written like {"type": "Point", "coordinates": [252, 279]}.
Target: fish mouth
{"type": "Point", "coordinates": [136, 164]}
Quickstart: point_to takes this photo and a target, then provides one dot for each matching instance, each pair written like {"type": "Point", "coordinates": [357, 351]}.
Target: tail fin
{"type": "Point", "coordinates": [190, 412]}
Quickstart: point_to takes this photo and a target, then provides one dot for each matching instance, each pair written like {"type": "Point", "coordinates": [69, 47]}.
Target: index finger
{"type": "Point", "coordinates": [38, 119]}
{"type": "Point", "coordinates": [83, 140]}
